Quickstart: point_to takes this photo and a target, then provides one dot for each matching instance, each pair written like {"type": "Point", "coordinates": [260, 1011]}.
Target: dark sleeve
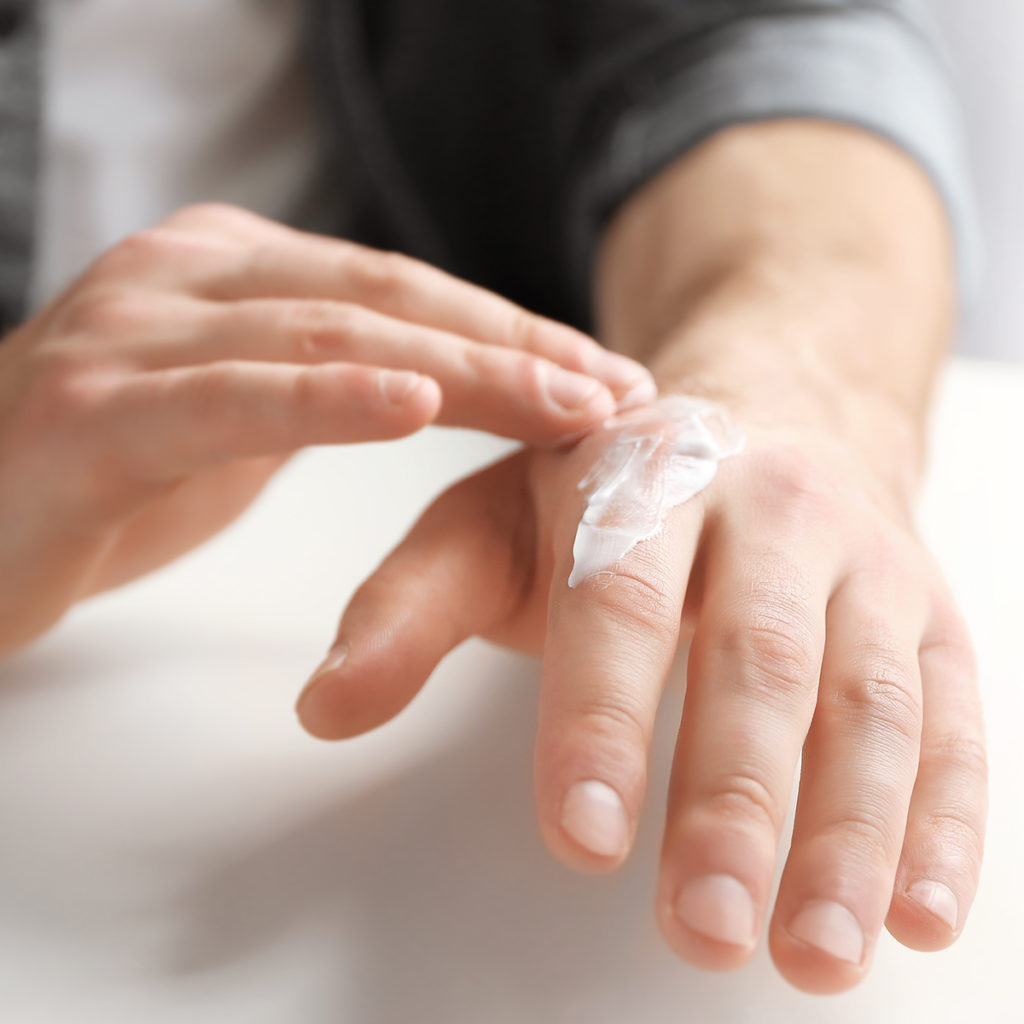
{"type": "Point", "coordinates": [19, 112]}
{"type": "Point", "coordinates": [644, 80]}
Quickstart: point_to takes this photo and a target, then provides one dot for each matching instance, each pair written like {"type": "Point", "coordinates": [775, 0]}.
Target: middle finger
{"type": "Point", "coordinates": [488, 387]}
{"type": "Point", "coordinates": [751, 686]}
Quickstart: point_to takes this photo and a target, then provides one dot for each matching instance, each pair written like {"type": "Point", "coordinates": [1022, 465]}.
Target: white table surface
{"type": "Point", "coordinates": [174, 848]}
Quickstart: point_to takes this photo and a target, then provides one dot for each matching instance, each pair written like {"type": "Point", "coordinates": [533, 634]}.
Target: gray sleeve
{"type": "Point", "coordinates": [870, 63]}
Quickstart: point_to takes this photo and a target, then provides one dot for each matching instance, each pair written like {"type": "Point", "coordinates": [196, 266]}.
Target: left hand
{"type": "Point", "coordinates": [820, 625]}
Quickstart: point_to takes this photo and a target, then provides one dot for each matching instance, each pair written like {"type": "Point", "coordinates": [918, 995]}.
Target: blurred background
{"type": "Point", "coordinates": [984, 44]}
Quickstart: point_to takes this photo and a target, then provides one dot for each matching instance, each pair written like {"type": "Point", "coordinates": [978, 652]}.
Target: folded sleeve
{"type": "Point", "coordinates": [646, 80]}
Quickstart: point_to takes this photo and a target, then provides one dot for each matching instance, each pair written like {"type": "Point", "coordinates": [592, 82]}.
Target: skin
{"type": "Point", "coordinates": [800, 274]}
{"type": "Point", "coordinates": [147, 406]}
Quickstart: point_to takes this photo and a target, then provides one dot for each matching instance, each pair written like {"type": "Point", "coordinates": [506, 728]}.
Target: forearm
{"type": "Point", "coordinates": [802, 267]}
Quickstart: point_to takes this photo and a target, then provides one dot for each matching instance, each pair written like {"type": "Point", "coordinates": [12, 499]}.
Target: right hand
{"type": "Point", "coordinates": [146, 407]}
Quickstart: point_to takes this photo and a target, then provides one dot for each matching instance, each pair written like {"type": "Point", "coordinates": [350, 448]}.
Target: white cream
{"type": "Point", "coordinates": [656, 458]}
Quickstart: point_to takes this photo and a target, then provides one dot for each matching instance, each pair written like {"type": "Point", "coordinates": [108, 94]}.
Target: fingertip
{"type": "Point", "coordinates": [630, 382]}
{"type": "Point", "coordinates": [593, 833]}
{"type": "Point", "coordinates": [432, 592]}
{"type": "Point", "coordinates": [317, 720]}
{"type": "Point", "coordinates": [926, 916]}
{"type": "Point", "coordinates": [416, 396]}
{"type": "Point", "coordinates": [699, 950]}
{"type": "Point", "coordinates": [320, 716]}
{"type": "Point", "coordinates": [576, 397]}
{"type": "Point", "coordinates": [342, 700]}
{"type": "Point", "coordinates": [642, 392]}
{"type": "Point", "coordinates": [364, 403]}
{"type": "Point", "coordinates": [358, 687]}
{"type": "Point", "coordinates": [711, 920]}
{"type": "Point", "coordinates": [815, 973]}
{"type": "Point", "coordinates": [315, 705]}
{"type": "Point", "coordinates": [588, 790]}
{"type": "Point", "coordinates": [822, 950]}
{"type": "Point", "coordinates": [392, 636]}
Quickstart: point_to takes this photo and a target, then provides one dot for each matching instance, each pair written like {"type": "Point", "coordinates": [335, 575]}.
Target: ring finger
{"type": "Point", "coordinates": [859, 765]}
{"type": "Point", "coordinates": [610, 644]}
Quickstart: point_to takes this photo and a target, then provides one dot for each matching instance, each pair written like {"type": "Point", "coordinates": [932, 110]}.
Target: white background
{"type": "Point", "coordinates": [174, 850]}
{"type": "Point", "coordinates": [985, 42]}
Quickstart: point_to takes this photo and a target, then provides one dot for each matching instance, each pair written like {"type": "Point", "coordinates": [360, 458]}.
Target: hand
{"type": "Point", "coordinates": [148, 405]}
{"type": "Point", "coordinates": [820, 625]}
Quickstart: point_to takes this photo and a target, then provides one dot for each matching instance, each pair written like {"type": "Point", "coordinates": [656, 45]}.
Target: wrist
{"type": "Point", "coordinates": [884, 441]}
{"type": "Point", "coordinates": [801, 273]}
{"type": "Point", "coordinates": [787, 366]}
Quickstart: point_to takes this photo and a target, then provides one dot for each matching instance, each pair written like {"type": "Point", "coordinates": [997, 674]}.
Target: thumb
{"type": "Point", "coordinates": [461, 570]}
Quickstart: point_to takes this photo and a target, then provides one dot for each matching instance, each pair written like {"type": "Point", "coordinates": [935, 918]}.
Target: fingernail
{"type": "Point", "coordinates": [830, 928]}
{"type": "Point", "coordinates": [619, 372]}
{"type": "Point", "coordinates": [937, 899]}
{"type": "Point", "coordinates": [397, 385]}
{"type": "Point", "coordinates": [643, 392]}
{"type": "Point", "coordinates": [719, 907]}
{"type": "Point", "coordinates": [335, 657]}
{"type": "Point", "coordinates": [571, 391]}
{"type": "Point", "coordinates": [593, 814]}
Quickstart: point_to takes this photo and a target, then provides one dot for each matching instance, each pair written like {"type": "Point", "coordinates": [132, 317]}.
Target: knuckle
{"type": "Point", "coordinates": [528, 374]}
{"type": "Point", "coordinates": [61, 388]}
{"type": "Point", "coordinates": [959, 755]}
{"type": "Point", "coordinates": [212, 398]}
{"type": "Point", "coordinates": [212, 391]}
{"type": "Point", "coordinates": [137, 253]}
{"type": "Point", "coordinates": [380, 277]}
{"type": "Point", "coordinates": [795, 483]}
{"type": "Point", "coordinates": [775, 648]}
{"type": "Point", "coordinates": [618, 720]}
{"type": "Point", "coordinates": [887, 557]}
{"type": "Point", "coordinates": [103, 312]}
{"type": "Point", "coordinates": [634, 601]}
{"type": "Point", "coordinates": [317, 331]}
{"type": "Point", "coordinates": [306, 390]}
{"type": "Point", "coordinates": [951, 644]}
{"type": "Point", "coordinates": [865, 832]}
{"type": "Point", "coordinates": [779, 653]}
{"type": "Point", "coordinates": [522, 329]}
{"type": "Point", "coordinates": [887, 695]}
{"type": "Point", "coordinates": [742, 798]}
{"type": "Point", "coordinates": [877, 645]}
{"type": "Point", "coordinates": [205, 215]}
{"type": "Point", "coordinates": [959, 828]}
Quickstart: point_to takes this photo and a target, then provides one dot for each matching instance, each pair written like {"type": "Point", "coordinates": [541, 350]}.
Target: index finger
{"type": "Point", "coordinates": [614, 622]}
{"type": "Point", "coordinates": [610, 644]}
{"type": "Point", "coordinates": [275, 261]}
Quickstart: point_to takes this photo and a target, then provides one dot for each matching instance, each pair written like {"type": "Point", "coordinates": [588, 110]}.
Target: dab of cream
{"type": "Point", "coordinates": [657, 458]}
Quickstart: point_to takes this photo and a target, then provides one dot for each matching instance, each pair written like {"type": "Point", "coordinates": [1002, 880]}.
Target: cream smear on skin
{"type": "Point", "coordinates": [658, 458]}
